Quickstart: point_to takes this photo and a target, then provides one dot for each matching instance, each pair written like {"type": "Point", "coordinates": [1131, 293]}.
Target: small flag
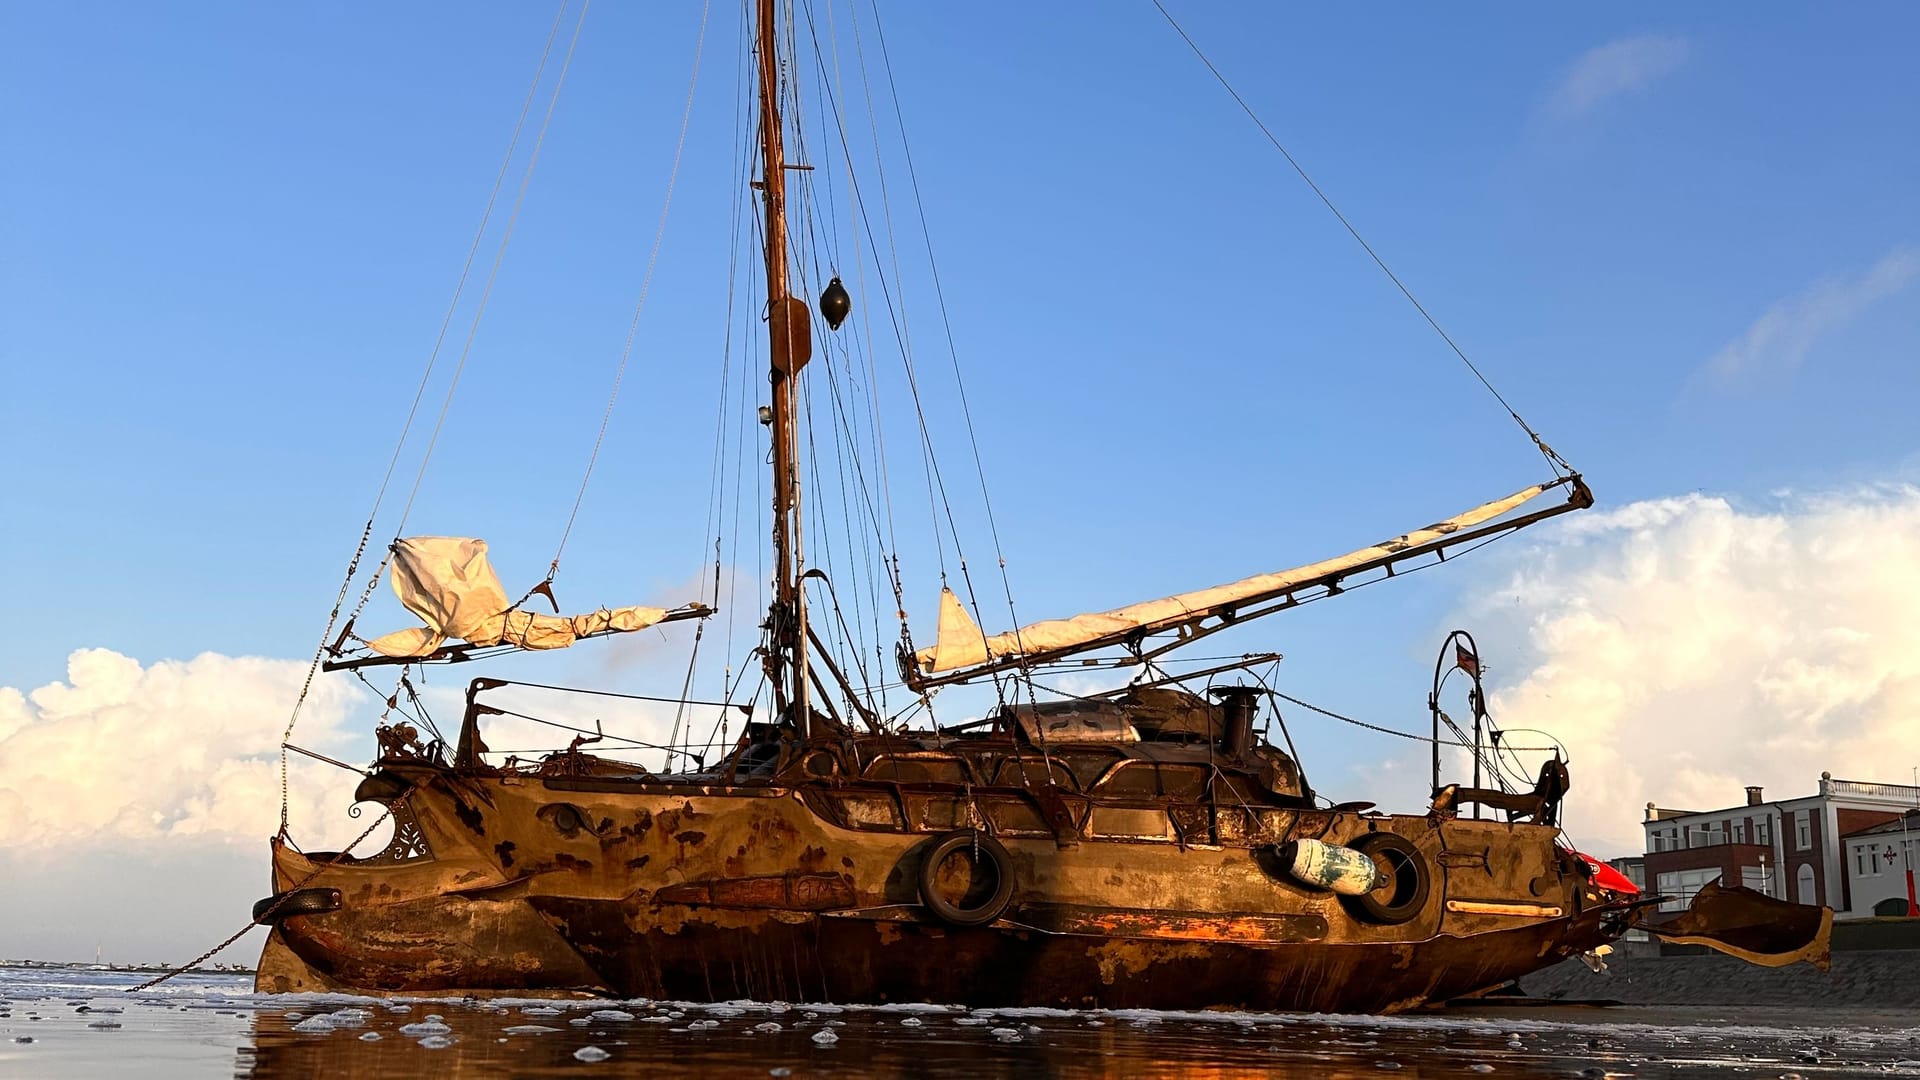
{"type": "Point", "coordinates": [1467, 662]}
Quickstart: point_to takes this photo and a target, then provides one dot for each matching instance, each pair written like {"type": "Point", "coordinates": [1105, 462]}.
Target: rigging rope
{"type": "Point", "coordinates": [646, 285]}
{"type": "Point", "coordinates": [406, 429]}
{"type": "Point", "coordinates": [940, 295]}
{"type": "Point", "coordinates": [279, 902]}
{"type": "Point", "coordinates": [729, 433]}
{"type": "Point", "coordinates": [1311, 707]}
{"type": "Point", "coordinates": [889, 543]}
{"type": "Point", "coordinates": [1554, 460]}
{"type": "Point", "coordinates": [500, 254]}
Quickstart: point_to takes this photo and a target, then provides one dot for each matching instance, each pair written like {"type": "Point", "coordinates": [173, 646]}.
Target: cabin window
{"type": "Point", "coordinates": [936, 813]}
{"type": "Point", "coordinates": [1088, 765]}
{"type": "Point", "coordinates": [1014, 817]}
{"type": "Point", "coordinates": [1037, 772]}
{"type": "Point", "coordinates": [917, 770]}
{"type": "Point", "coordinates": [863, 811]}
{"type": "Point", "coordinates": [1152, 780]}
{"type": "Point", "coordinates": [1228, 788]}
{"type": "Point", "coordinates": [1128, 823]}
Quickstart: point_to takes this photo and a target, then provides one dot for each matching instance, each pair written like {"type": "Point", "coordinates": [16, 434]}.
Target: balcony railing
{"type": "Point", "coordinates": [1906, 793]}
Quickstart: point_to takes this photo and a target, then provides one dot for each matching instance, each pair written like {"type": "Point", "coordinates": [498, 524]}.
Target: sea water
{"type": "Point", "coordinates": [69, 1022]}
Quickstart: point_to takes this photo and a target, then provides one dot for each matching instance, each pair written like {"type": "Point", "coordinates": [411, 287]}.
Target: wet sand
{"type": "Point", "coordinates": [83, 1024]}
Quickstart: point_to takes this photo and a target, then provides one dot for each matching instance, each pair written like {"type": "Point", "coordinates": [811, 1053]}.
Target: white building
{"type": "Point", "coordinates": [1789, 848]}
{"type": "Point", "coordinates": [1879, 858]}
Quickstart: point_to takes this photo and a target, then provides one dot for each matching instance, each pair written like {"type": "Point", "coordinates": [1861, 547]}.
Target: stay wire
{"type": "Point", "coordinates": [940, 295]}
{"type": "Point", "coordinates": [890, 543]}
{"type": "Point", "coordinates": [1428, 739]}
{"type": "Point", "coordinates": [936, 482]}
{"type": "Point", "coordinates": [646, 286]}
{"type": "Point", "coordinates": [406, 428]}
{"type": "Point", "coordinates": [500, 254]}
{"type": "Point", "coordinates": [937, 488]}
{"type": "Point", "coordinates": [889, 563]}
{"type": "Point", "coordinates": [1554, 460]}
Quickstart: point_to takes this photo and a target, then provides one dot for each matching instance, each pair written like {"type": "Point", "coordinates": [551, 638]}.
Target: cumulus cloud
{"type": "Point", "coordinates": [122, 755]}
{"type": "Point", "coordinates": [1686, 647]}
{"type": "Point", "coordinates": [1616, 68]}
{"type": "Point", "coordinates": [1780, 339]}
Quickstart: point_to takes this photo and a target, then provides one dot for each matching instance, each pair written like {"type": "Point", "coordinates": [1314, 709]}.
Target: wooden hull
{"type": "Point", "coordinates": [556, 886]}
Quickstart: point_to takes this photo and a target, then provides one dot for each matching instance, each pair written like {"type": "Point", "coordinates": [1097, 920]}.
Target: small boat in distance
{"type": "Point", "coordinates": [1148, 846]}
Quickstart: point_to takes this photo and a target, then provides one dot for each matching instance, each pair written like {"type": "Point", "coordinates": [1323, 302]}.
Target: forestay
{"type": "Point", "coordinates": [449, 582]}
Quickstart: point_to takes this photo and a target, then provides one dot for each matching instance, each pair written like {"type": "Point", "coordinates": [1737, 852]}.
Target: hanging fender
{"type": "Point", "coordinates": [1320, 865]}
{"type": "Point", "coordinates": [987, 852]}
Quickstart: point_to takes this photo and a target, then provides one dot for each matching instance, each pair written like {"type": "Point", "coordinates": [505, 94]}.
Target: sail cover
{"type": "Point", "coordinates": [960, 642]}
{"type": "Point", "coordinates": [449, 582]}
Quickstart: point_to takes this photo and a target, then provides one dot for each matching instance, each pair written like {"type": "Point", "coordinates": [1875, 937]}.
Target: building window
{"type": "Point", "coordinates": [1763, 831]}
{"type": "Point", "coordinates": [1802, 831]}
{"type": "Point", "coordinates": [1866, 861]}
{"type": "Point", "coordinates": [1740, 832]}
{"type": "Point", "coordinates": [1681, 885]}
{"type": "Point", "coordinates": [1804, 891]}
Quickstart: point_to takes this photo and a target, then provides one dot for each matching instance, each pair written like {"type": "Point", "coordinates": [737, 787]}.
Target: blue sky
{"type": "Point", "coordinates": [1684, 242]}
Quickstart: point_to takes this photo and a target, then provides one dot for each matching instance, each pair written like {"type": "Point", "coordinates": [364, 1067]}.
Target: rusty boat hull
{"type": "Point", "coordinates": [813, 892]}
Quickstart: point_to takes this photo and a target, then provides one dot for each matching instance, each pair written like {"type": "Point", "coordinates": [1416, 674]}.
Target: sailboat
{"type": "Point", "coordinates": [1145, 846]}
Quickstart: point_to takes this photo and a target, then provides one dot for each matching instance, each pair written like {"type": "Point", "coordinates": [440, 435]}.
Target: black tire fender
{"type": "Point", "coordinates": [987, 850]}
{"type": "Point", "coordinates": [1403, 894]}
{"type": "Point", "coordinates": [298, 902]}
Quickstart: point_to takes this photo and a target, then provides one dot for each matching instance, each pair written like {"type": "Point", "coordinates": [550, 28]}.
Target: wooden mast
{"type": "Point", "coordinates": [790, 345]}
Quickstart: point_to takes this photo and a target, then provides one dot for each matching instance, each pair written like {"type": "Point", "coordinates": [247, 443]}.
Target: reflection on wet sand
{"type": "Point", "coordinates": [639, 1038]}
{"type": "Point", "coordinates": [60, 1023]}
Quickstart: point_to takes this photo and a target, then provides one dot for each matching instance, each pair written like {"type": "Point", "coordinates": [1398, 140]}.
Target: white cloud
{"type": "Point", "coordinates": [1781, 338]}
{"type": "Point", "coordinates": [165, 776]}
{"type": "Point", "coordinates": [177, 752]}
{"type": "Point", "coordinates": [1615, 68]}
{"type": "Point", "coordinates": [1684, 648]}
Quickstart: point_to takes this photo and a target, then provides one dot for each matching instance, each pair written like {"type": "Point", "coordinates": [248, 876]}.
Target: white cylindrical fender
{"type": "Point", "coordinates": [1330, 866]}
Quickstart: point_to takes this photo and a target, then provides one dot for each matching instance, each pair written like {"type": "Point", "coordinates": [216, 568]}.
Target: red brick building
{"type": "Point", "coordinates": [1790, 848]}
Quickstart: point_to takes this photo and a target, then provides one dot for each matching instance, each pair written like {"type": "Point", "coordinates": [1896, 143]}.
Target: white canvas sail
{"type": "Point", "coordinates": [449, 582]}
{"type": "Point", "coordinates": [960, 643]}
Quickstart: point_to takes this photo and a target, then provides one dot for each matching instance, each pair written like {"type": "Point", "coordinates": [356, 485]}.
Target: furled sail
{"type": "Point", "coordinates": [961, 644]}
{"type": "Point", "coordinates": [449, 582]}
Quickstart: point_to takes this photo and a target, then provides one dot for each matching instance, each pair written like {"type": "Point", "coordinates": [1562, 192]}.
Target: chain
{"type": "Point", "coordinates": [261, 919]}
